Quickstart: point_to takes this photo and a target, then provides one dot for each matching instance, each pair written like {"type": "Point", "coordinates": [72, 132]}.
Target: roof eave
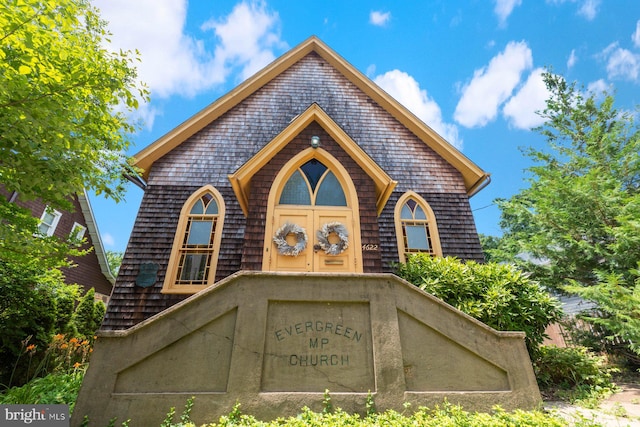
{"type": "Point", "coordinates": [470, 171]}
{"type": "Point", "coordinates": [92, 227]}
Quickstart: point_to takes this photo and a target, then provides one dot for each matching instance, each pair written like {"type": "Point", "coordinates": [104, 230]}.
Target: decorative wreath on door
{"type": "Point", "coordinates": [280, 239]}
{"type": "Point", "coordinates": [323, 238]}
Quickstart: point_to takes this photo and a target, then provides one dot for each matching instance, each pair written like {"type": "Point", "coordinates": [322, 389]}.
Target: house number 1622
{"type": "Point", "coordinates": [369, 247]}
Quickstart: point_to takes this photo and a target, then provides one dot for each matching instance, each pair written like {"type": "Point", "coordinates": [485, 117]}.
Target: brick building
{"type": "Point", "coordinates": [91, 270]}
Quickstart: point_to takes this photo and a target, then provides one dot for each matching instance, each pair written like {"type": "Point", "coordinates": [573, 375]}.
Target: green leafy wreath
{"type": "Point", "coordinates": [280, 239]}
{"type": "Point", "coordinates": [323, 238]}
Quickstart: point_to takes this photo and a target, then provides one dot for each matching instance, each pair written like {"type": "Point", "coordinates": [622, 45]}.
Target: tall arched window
{"type": "Point", "coordinates": [194, 257]}
{"type": "Point", "coordinates": [416, 228]}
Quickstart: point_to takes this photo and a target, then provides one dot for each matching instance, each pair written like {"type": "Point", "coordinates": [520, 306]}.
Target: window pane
{"type": "Point", "coordinates": [44, 228]}
{"type": "Point", "coordinates": [197, 208]}
{"type": "Point", "coordinates": [295, 192]}
{"type": "Point", "coordinates": [193, 268]}
{"type": "Point", "coordinates": [77, 232]}
{"type": "Point", "coordinates": [47, 218]}
{"type": "Point", "coordinates": [330, 192]}
{"type": "Point", "coordinates": [417, 237]}
{"type": "Point", "coordinates": [406, 212]}
{"type": "Point", "coordinates": [199, 233]}
{"type": "Point", "coordinates": [313, 170]}
{"type": "Point", "coordinates": [419, 213]}
{"type": "Point", "coordinates": [212, 208]}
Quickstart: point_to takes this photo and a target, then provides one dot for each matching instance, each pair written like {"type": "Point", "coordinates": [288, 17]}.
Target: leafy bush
{"type": "Point", "coordinates": [35, 307]}
{"type": "Point", "coordinates": [445, 415]}
{"type": "Point", "coordinates": [28, 317]}
{"type": "Point", "coordinates": [573, 374]}
{"type": "Point", "coordinates": [56, 388]}
{"type": "Point", "coordinates": [498, 295]}
{"type": "Point", "coordinates": [88, 315]}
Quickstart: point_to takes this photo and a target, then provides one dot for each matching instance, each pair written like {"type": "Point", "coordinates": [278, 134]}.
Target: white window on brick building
{"type": "Point", "coordinates": [77, 231]}
{"type": "Point", "coordinates": [49, 221]}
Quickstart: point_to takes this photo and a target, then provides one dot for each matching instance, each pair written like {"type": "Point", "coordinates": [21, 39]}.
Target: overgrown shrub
{"type": "Point", "coordinates": [88, 315]}
{"type": "Point", "coordinates": [498, 295]}
{"type": "Point", "coordinates": [36, 305]}
{"type": "Point", "coordinates": [574, 374]}
{"type": "Point", "coordinates": [52, 389]}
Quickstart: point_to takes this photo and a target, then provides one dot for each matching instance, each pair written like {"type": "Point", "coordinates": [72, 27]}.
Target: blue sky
{"type": "Point", "coordinates": [469, 69]}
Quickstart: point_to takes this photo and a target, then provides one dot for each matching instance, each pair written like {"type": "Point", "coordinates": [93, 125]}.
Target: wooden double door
{"type": "Point", "coordinates": [313, 257]}
{"type": "Point", "coordinates": [313, 195]}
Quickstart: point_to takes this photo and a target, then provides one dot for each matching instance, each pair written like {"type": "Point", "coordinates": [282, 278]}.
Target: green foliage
{"type": "Point", "coordinates": [34, 307]}
{"type": "Point", "coordinates": [579, 219]}
{"type": "Point", "coordinates": [327, 406]}
{"type": "Point", "coordinates": [445, 415]}
{"type": "Point", "coordinates": [489, 245]}
{"type": "Point", "coordinates": [499, 295]}
{"type": "Point", "coordinates": [573, 374]}
{"type": "Point", "coordinates": [370, 405]}
{"type": "Point", "coordinates": [63, 100]}
{"type": "Point", "coordinates": [21, 243]}
{"type": "Point", "coordinates": [55, 388]}
{"type": "Point", "coordinates": [115, 260]}
{"type": "Point", "coordinates": [64, 105]}
{"type": "Point", "coordinates": [29, 314]}
{"type": "Point", "coordinates": [185, 417]}
{"type": "Point", "coordinates": [620, 304]}
{"type": "Point", "coordinates": [88, 315]}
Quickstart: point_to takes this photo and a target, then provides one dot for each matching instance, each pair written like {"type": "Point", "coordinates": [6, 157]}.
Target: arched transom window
{"type": "Point", "coordinates": [194, 256]}
{"type": "Point", "coordinates": [313, 184]}
{"type": "Point", "coordinates": [416, 227]}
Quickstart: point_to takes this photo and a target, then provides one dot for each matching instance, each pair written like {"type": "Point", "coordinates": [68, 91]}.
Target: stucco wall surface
{"type": "Point", "coordinates": [275, 342]}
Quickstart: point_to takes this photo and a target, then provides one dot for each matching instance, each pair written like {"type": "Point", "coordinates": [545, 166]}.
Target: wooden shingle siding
{"type": "Point", "coordinates": [458, 235]}
{"type": "Point", "coordinates": [223, 146]}
{"type": "Point", "coordinates": [226, 144]}
{"type": "Point", "coordinates": [150, 242]}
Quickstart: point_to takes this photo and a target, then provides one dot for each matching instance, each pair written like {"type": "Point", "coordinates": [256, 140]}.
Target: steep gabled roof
{"type": "Point", "coordinates": [474, 177]}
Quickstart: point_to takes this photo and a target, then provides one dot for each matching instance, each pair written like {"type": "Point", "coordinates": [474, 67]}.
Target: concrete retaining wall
{"type": "Point", "coordinates": [274, 342]}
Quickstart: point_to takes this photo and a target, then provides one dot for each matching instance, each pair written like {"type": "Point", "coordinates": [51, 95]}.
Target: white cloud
{"type": "Point", "coordinates": [379, 18]}
{"type": "Point", "coordinates": [521, 109]}
{"type": "Point", "coordinates": [573, 58]}
{"type": "Point", "coordinates": [621, 63]}
{"type": "Point", "coordinates": [635, 37]}
{"type": "Point", "coordinates": [107, 239]}
{"type": "Point", "coordinates": [503, 9]}
{"type": "Point", "coordinates": [176, 63]}
{"type": "Point", "coordinates": [492, 85]}
{"type": "Point", "coordinates": [406, 90]}
{"type": "Point", "coordinates": [247, 36]}
{"type": "Point", "coordinates": [589, 9]}
{"type": "Point", "coordinates": [598, 87]}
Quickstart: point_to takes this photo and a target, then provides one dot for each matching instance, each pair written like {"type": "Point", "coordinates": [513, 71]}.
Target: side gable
{"type": "Point", "coordinates": [474, 177]}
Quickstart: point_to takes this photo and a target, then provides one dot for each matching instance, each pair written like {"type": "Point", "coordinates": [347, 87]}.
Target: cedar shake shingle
{"type": "Point", "coordinates": [220, 148]}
